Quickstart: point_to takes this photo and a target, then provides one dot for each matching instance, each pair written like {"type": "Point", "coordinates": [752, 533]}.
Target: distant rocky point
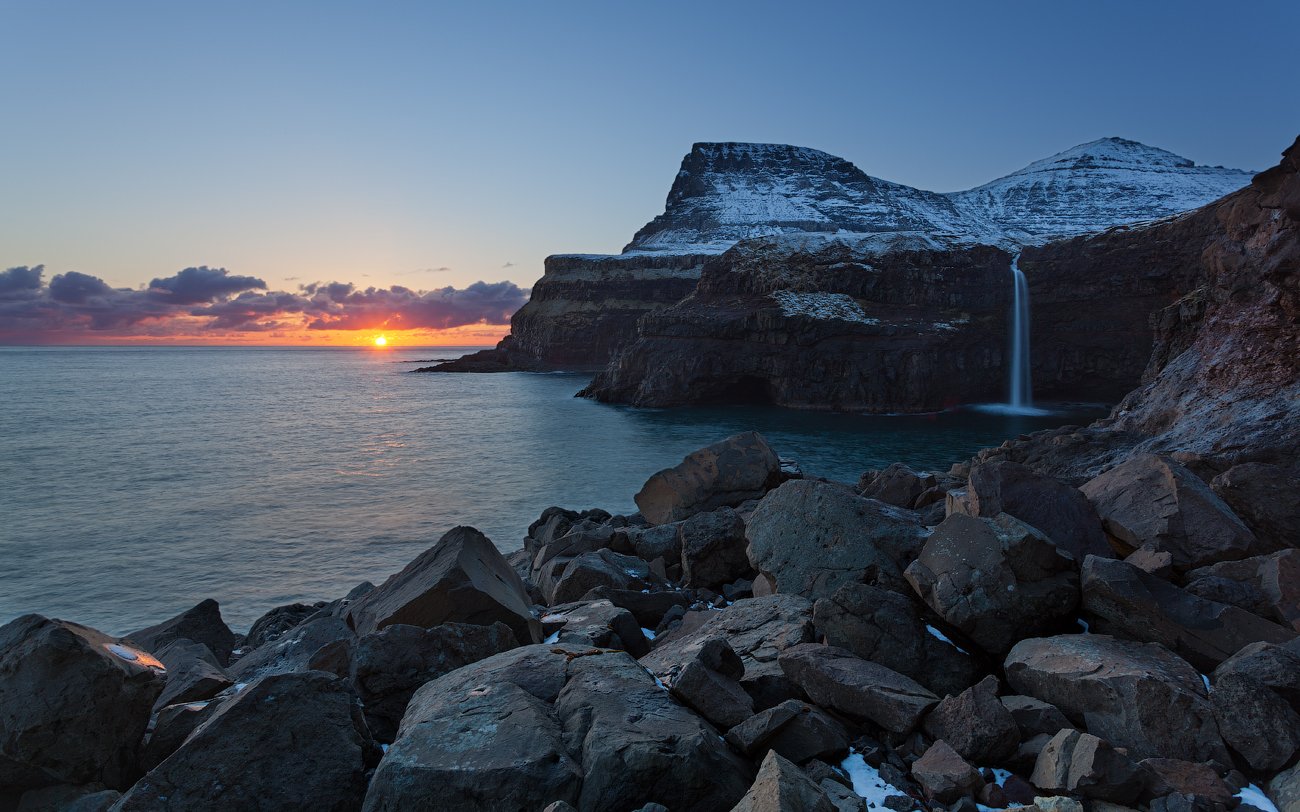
{"type": "Point", "coordinates": [585, 309]}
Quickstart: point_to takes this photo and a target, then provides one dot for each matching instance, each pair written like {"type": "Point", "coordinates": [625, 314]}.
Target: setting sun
{"type": "Point", "coordinates": [380, 341]}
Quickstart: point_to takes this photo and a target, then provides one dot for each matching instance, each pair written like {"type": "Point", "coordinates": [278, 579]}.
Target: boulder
{"type": "Point", "coordinates": [192, 673]}
{"type": "Point", "coordinates": [885, 627]}
{"type": "Point", "coordinates": [173, 725]}
{"type": "Point", "coordinates": [660, 541]}
{"type": "Point", "coordinates": [1267, 585]}
{"type": "Point", "coordinates": [600, 624]}
{"type": "Point", "coordinates": [74, 704]}
{"type": "Point", "coordinates": [897, 485]}
{"type": "Point", "coordinates": [461, 579]}
{"type": "Point", "coordinates": [1274, 667]}
{"type": "Point", "coordinates": [858, 688]}
{"type": "Point", "coordinates": [1284, 790]}
{"type": "Point", "coordinates": [709, 684]}
{"type": "Point", "coordinates": [1151, 499]}
{"type": "Point", "coordinates": [276, 622]}
{"type": "Point", "coordinates": [1034, 716]}
{"type": "Point", "coordinates": [713, 549]}
{"type": "Point", "coordinates": [1170, 775]}
{"type": "Point", "coordinates": [1060, 511]}
{"type": "Point", "coordinates": [1255, 722]}
{"type": "Point", "coordinates": [312, 645]}
{"type": "Point", "coordinates": [648, 608]}
{"type": "Point", "coordinates": [796, 730]}
{"type": "Point", "coordinates": [945, 775]}
{"type": "Point", "coordinates": [567, 580]}
{"type": "Point", "coordinates": [1139, 696]}
{"type": "Point", "coordinates": [202, 624]}
{"type": "Point", "coordinates": [1083, 764]}
{"type": "Point", "coordinates": [539, 724]}
{"type": "Point", "coordinates": [724, 474]}
{"type": "Point", "coordinates": [997, 580]}
{"type": "Point", "coordinates": [1123, 600]}
{"type": "Point", "coordinates": [288, 741]}
{"type": "Point", "coordinates": [782, 787]}
{"type": "Point", "coordinates": [813, 537]}
{"type": "Point", "coordinates": [1266, 497]}
{"type": "Point", "coordinates": [757, 629]}
{"type": "Point", "coordinates": [389, 665]}
{"type": "Point", "coordinates": [975, 724]}
{"type": "Point", "coordinates": [1159, 563]}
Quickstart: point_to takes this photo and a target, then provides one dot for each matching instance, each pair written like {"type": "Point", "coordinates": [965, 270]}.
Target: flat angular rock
{"type": "Point", "coordinates": [1139, 696]}
{"type": "Point", "coordinates": [1274, 667]}
{"type": "Point", "coordinates": [1267, 585]}
{"type": "Point", "coordinates": [724, 474]}
{"type": "Point", "coordinates": [782, 787]}
{"type": "Point", "coordinates": [202, 624]}
{"type": "Point", "coordinates": [897, 485]}
{"type": "Point", "coordinates": [757, 629]}
{"type": "Point", "coordinates": [813, 537]}
{"type": "Point", "coordinates": [1151, 499]}
{"type": "Point", "coordinates": [1060, 511]}
{"type": "Point", "coordinates": [975, 724]}
{"type": "Point", "coordinates": [600, 624]}
{"type": "Point", "coordinates": [1082, 764]}
{"type": "Point", "coordinates": [192, 673]}
{"type": "Point", "coordinates": [1125, 601]}
{"type": "Point", "coordinates": [1034, 716]}
{"type": "Point", "coordinates": [1255, 722]}
{"type": "Point", "coordinates": [945, 775]}
{"type": "Point", "coordinates": [303, 648]}
{"type": "Point", "coordinates": [539, 724]}
{"type": "Point", "coordinates": [461, 579]}
{"type": "Point", "coordinates": [601, 568]}
{"type": "Point", "coordinates": [74, 704]}
{"type": "Point", "coordinates": [886, 627]}
{"type": "Point", "coordinates": [713, 549]}
{"type": "Point", "coordinates": [839, 680]}
{"type": "Point", "coordinates": [796, 730]}
{"type": "Point", "coordinates": [1166, 775]}
{"type": "Point", "coordinates": [997, 580]}
{"type": "Point", "coordinates": [710, 685]}
{"type": "Point", "coordinates": [389, 665]}
{"type": "Point", "coordinates": [288, 741]}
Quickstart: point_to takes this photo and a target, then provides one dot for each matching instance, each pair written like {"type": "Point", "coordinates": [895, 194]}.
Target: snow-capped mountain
{"type": "Point", "coordinates": [726, 192]}
{"type": "Point", "coordinates": [1094, 186]}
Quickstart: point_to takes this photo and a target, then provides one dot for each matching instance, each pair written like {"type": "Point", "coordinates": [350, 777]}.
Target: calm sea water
{"type": "Point", "coordinates": [136, 481]}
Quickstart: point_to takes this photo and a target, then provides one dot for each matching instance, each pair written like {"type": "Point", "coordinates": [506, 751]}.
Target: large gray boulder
{"type": "Point", "coordinates": [1139, 696]}
{"type": "Point", "coordinates": [566, 580]}
{"type": "Point", "coordinates": [797, 730]}
{"type": "Point", "coordinates": [782, 787]}
{"type": "Point", "coordinates": [1123, 600]}
{"type": "Point", "coordinates": [896, 485]}
{"type": "Point", "coordinates": [997, 580]}
{"type": "Point", "coordinates": [945, 775]}
{"type": "Point", "coordinates": [74, 704]}
{"type": "Point", "coordinates": [725, 474]}
{"type": "Point", "coordinates": [1152, 500]}
{"type": "Point", "coordinates": [713, 549]}
{"type": "Point", "coordinates": [1266, 497]}
{"type": "Point", "coordinates": [323, 643]}
{"type": "Point", "coordinates": [710, 684]}
{"type": "Point", "coordinates": [885, 627]}
{"type": "Point", "coordinates": [539, 724]}
{"type": "Point", "coordinates": [1256, 723]}
{"type": "Point", "coordinates": [813, 537]}
{"type": "Point", "coordinates": [287, 741]}
{"type": "Point", "coordinates": [1284, 790]}
{"type": "Point", "coordinates": [1267, 585]}
{"type": "Point", "coordinates": [597, 623]}
{"type": "Point", "coordinates": [461, 579]}
{"type": "Point", "coordinates": [757, 629]}
{"type": "Point", "coordinates": [276, 622]}
{"type": "Point", "coordinates": [1274, 667]}
{"type": "Point", "coordinates": [202, 624]}
{"type": "Point", "coordinates": [389, 665]}
{"type": "Point", "coordinates": [1059, 510]}
{"type": "Point", "coordinates": [192, 673]}
{"type": "Point", "coordinates": [840, 681]}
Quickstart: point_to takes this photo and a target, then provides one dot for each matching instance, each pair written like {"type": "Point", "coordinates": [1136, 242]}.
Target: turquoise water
{"type": "Point", "coordinates": [136, 481]}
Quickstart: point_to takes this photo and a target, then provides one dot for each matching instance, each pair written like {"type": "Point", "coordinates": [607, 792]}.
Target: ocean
{"type": "Point", "coordinates": [135, 482]}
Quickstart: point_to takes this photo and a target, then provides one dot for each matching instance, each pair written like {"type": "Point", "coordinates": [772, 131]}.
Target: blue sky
{"type": "Point", "coordinates": [379, 143]}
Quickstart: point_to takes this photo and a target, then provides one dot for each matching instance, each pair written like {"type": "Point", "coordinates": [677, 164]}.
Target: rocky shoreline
{"type": "Point", "coordinates": [983, 638]}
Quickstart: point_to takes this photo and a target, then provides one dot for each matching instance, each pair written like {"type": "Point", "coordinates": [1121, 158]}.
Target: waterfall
{"type": "Point", "coordinates": [1022, 391]}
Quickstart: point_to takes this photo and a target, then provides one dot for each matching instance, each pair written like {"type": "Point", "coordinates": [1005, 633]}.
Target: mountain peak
{"type": "Point", "coordinates": [1110, 153]}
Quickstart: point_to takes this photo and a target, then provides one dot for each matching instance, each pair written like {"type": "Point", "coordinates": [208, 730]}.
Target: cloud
{"type": "Point", "coordinates": [508, 265]}
{"type": "Point", "coordinates": [201, 300]}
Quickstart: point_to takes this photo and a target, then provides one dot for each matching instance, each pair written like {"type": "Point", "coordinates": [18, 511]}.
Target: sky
{"type": "Point", "coordinates": [405, 167]}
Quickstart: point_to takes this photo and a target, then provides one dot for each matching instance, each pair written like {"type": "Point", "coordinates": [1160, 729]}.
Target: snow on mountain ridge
{"type": "Point", "coordinates": [730, 191]}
